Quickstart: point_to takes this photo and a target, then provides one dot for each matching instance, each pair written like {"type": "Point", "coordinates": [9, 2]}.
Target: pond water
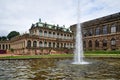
{"type": "Point", "coordinates": [59, 69]}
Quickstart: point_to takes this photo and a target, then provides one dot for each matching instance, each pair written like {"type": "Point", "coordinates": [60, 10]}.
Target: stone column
{"type": "Point", "coordinates": [25, 43]}
{"type": "Point", "coordinates": [86, 44]}
{"type": "Point", "coordinates": [31, 43]}
{"type": "Point", "coordinates": [55, 44]}
{"type": "Point", "coordinates": [109, 28]}
{"type": "Point", "coordinates": [100, 44]}
{"type": "Point", "coordinates": [118, 25]}
{"type": "Point", "coordinates": [52, 44]}
{"type": "Point", "coordinates": [9, 46]}
{"type": "Point", "coordinates": [93, 44]}
{"type": "Point", "coordinates": [43, 33]}
{"type": "Point", "coordinates": [37, 43]}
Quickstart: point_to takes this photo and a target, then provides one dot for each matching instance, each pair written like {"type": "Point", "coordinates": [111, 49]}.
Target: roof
{"type": "Point", "coordinates": [50, 26]}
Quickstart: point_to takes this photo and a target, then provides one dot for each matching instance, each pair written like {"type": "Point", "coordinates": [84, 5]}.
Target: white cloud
{"type": "Point", "coordinates": [20, 14]}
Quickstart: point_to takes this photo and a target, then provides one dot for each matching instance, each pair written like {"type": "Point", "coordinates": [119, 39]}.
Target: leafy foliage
{"type": "Point", "coordinates": [3, 38]}
{"type": "Point", "coordinates": [12, 34]}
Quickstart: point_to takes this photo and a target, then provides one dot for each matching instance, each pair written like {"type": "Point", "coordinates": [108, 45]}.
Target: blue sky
{"type": "Point", "coordinates": [20, 14]}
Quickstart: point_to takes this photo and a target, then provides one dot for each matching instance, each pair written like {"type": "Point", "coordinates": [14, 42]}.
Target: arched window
{"type": "Point", "coordinates": [45, 44]}
{"type": "Point", "coordinates": [34, 43]}
{"type": "Point", "coordinates": [40, 32]}
{"type": "Point", "coordinates": [85, 33]}
{"type": "Point", "coordinates": [71, 45]}
{"type": "Point", "coordinates": [57, 35]}
{"type": "Point", "coordinates": [97, 31]}
{"type": "Point", "coordinates": [105, 30]}
{"type": "Point", "coordinates": [28, 43]}
{"type": "Point", "coordinates": [104, 43]}
{"type": "Point", "coordinates": [64, 45]}
{"type": "Point", "coordinates": [50, 35]}
{"type": "Point", "coordinates": [45, 33]}
{"type": "Point", "coordinates": [57, 45]}
{"type": "Point", "coordinates": [40, 44]}
{"type": "Point", "coordinates": [67, 36]}
{"type": "Point", "coordinates": [3, 46]}
{"type": "Point", "coordinates": [64, 36]}
{"type": "Point", "coordinates": [61, 35]}
{"type": "Point", "coordinates": [61, 44]}
{"type": "Point", "coordinates": [90, 32]}
{"type": "Point", "coordinates": [113, 28]}
{"type": "Point", "coordinates": [49, 44]}
{"type": "Point", "coordinates": [54, 35]}
{"type": "Point", "coordinates": [113, 42]}
{"type": "Point", "coordinates": [53, 45]}
{"type": "Point", "coordinates": [0, 46]}
{"type": "Point", "coordinates": [84, 44]}
{"type": "Point", "coordinates": [96, 43]}
{"type": "Point", "coordinates": [90, 43]}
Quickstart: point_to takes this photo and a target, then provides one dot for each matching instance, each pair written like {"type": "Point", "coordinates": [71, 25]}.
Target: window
{"type": "Point", "coordinates": [54, 35]}
{"type": "Point", "coordinates": [84, 44]}
{"type": "Point", "coordinates": [113, 42]}
{"type": "Point", "coordinates": [96, 43]}
{"type": "Point", "coordinates": [3, 46]}
{"type": "Point", "coordinates": [53, 45]}
{"type": "Point", "coordinates": [64, 45]}
{"type": "Point", "coordinates": [34, 43]}
{"type": "Point", "coordinates": [45, 33]}
{"type": "Point", "coordinates": [105, 30]}
{"type": "Point", "coordinates": [45, 44]}
{"type": "Point", "coordinates": [40, 32]}
{"type": "Point", "coordinates": [50, 34]}
{"type": "Point", "coordinates": [40, 44]}
{"type": "Point", "coordinates": [49, 44]}
{"type": "Point", "coordinates": [90, 32]}
{"type": "Point", "coordinates": [64, 36]}
{"type": "Point", "coordinates": [57, 35]}
{"type": "Point", "coordinates": [97, 31]}
{"type": "Point", "coordinates": [28, 43]}
{"type": "Point", "coordinates": [61, 35]}
{"type": "Point", "coordinates": [57, 45]}
{"type": "Point", "coordinates": [84, 33]}
{"type": "Point", "coordinates": [113, 28]}
{"type": "Point", "coordinates": [104, 43]}
{"type": "Point", "coordinates": [90, 43]}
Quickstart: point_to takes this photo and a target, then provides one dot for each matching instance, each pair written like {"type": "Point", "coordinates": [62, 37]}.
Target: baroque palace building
{"type": "Point", "coordinates": [42, 38]}
{"type": "Point", "coordinates": [98, 34]}
{"type": "Point", "coordinates": [101, 33]}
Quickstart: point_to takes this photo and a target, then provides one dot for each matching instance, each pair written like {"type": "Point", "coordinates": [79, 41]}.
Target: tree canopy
{"type": "Point", "coordinates": [12, 34]}
{"type": "Point", "coordinates": [3, 38]}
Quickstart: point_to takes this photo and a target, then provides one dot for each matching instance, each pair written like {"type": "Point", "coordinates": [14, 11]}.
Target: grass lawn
{"type": "Point", "coordinates": [114, 54]}
{"type": "Point", "coordinates": [38, 56]}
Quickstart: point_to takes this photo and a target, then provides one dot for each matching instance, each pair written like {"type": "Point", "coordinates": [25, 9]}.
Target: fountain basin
{"type": "Point", "coordinates": [60, 68]}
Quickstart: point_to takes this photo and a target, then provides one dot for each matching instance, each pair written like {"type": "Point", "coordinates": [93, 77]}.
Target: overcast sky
{"type": "Point", "coordinates": [18, 15]}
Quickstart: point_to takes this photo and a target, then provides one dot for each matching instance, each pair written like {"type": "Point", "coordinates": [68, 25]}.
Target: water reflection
{"type": "Point", "coordinates": [59, 69]}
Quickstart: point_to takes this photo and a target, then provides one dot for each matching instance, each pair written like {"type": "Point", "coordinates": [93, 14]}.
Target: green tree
{"type": "Point", "coordinates": [0, 38]}
{"type": "Point", "coordinates": [3, 38]}
{"type": "Point", "coordinates": [12, 34]}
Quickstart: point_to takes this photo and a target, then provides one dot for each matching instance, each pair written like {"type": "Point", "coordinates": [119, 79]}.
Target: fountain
{"type": "Point", "coordinates": [78, 53]}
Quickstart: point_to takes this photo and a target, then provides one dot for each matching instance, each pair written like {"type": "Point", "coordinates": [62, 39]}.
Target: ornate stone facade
{"type": "Point", "coordinates": [43, 38]}
{"type": "Point", "coordinates": [99, 34]}
{"type": "Point", "coordinates": [102, 33]}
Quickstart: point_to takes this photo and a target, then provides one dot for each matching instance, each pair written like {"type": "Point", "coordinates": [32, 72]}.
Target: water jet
{"type": "Point", "coordinates": [78, 53]}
